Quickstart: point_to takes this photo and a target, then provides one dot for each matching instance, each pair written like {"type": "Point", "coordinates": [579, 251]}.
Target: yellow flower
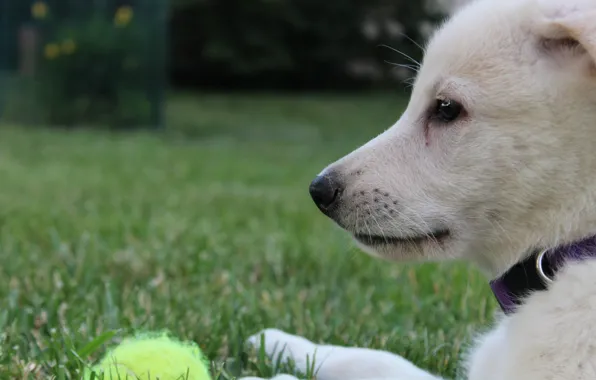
{"type": "Point", "coordinates": [39, 10]}
{"type": "Point", "coordinates": [52, 51]}
{"type": "Point", "coordinates": [123, 16]}
{"type": "Point", "coordinates": [68, 47]}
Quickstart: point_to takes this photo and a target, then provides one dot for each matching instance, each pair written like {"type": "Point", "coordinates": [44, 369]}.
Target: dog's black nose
{"type": "Point", "coordinates": [325, 191]}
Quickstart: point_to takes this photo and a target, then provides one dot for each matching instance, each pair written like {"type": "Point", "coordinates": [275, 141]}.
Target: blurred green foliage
{"type": "Point", "coordinates": [70, 64]}
{"type": "Point", "coordinates": [91, 70]}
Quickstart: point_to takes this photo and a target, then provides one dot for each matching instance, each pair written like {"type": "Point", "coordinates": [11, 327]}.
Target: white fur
{"type": "Point", "coordinates": [517, 172]}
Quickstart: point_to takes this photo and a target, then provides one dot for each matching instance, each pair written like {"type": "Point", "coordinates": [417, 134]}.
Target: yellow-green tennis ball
{"type": "Point", "coordinates": [152, 358]}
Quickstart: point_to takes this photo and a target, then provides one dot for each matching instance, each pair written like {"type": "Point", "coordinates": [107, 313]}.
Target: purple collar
{"type": "Point", "coordinates": [524, 277]}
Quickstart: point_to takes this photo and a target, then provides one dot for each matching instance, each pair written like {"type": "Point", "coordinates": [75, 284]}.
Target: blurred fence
{"type": "Point", "coordinates": [93, 62]}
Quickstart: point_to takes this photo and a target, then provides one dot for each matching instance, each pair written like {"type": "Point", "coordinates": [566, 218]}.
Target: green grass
{"type": "Point", "coordinates": [212, 237]}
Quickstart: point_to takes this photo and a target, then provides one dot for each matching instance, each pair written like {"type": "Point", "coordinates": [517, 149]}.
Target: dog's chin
{"type": "Point", "coordinates": [387, 240]}
{"type": "Point", "coordinates": [401, 247]}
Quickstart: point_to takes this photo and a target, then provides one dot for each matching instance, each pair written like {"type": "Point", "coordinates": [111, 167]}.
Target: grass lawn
{"type": "Point", "coordinates": [212, 237]}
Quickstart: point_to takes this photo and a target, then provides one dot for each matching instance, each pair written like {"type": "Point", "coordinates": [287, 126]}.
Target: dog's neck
{"type": "Point", "coordinates": [534, 272]}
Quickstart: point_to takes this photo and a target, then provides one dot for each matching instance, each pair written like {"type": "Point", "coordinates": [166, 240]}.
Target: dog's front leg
{"type": "Point", "coordinates": [335, 362]}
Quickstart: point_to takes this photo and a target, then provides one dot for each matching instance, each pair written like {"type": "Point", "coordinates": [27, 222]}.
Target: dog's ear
{"type": "Point", "coordinates": [571, 34]}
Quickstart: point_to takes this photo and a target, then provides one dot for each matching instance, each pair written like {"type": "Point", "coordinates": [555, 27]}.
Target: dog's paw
{"type": "Point", "coordinates": [334, 362]}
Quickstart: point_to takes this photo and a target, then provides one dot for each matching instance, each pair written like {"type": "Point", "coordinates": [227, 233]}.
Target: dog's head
{"type": "Point", "coordinates": [496, 152]}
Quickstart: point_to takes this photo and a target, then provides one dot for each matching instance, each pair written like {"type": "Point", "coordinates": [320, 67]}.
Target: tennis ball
{"type": "Point", "coordinates": [152, 357]}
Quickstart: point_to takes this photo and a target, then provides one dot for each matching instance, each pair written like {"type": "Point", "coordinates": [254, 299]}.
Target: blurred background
{"type": "Point", "coordinates": [155, 158]}
{"type": "Point", "coordinates": [112, 62]}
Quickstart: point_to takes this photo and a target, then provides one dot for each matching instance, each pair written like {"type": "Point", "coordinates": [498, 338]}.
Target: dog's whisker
{"type": "Point", "coordinates": [402, 54]}
{"type": "Point", "coordinates": [413, 68]}
{"type": "Point", "coordinates": [374, 219]}
{"type": "Point", "coordinates": [366, 224]}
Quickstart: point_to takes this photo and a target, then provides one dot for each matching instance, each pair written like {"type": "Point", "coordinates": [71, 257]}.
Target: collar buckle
{"type": "Point", "coordinates": [540, 270]}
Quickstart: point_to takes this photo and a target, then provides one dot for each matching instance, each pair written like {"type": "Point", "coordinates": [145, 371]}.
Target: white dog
{"type": "Point", "coordinates": [494, 162]}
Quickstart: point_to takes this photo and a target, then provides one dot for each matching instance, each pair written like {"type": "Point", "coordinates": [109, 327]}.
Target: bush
{"type": "Point", "coordinates": [91, 69]}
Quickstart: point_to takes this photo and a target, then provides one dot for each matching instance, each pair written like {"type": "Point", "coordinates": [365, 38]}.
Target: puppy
{"type": "Point", "coordinates": [494, 162]}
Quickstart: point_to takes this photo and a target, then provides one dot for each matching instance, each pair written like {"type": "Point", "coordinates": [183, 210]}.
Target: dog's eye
{"type": "Point", "coordinates": [447, 110]}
